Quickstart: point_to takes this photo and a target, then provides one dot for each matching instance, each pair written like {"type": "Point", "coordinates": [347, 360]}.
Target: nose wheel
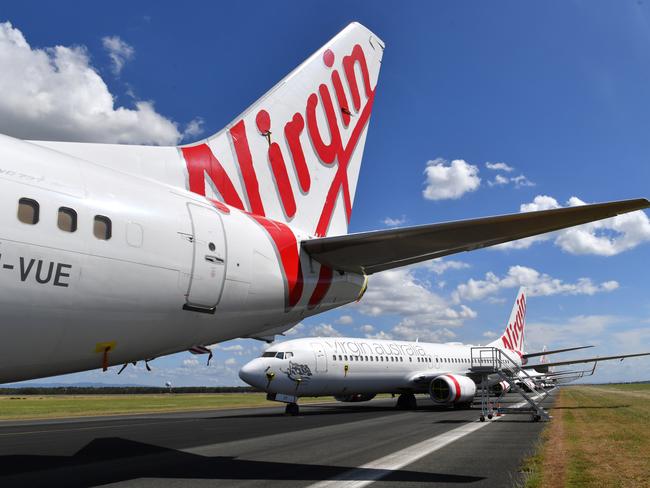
{"type": "Point", "coordinates": [291, 409]}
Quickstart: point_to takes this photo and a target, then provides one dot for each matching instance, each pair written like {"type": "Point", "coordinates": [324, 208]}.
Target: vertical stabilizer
{"type": "Point", "coordinates": [513, 336]}
{"type": "Point", "coordinates": [294, 155]}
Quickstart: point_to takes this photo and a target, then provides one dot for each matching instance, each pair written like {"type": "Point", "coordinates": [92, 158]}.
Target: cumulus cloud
{"type": "Point", "coordinates": [119, 51]}
{"type": "Point", "coordinates": [391, 222]}
{"type": "Point", "coordinates": [449, 180]}
{"type": "Point", "coordinates": [56, 94]}
{"type": "Point", "coordinates": [230, 362]}
{"type": "Point", "coordinates": [440, 266]}
{"type": "Point", "coordinates": [536, 283]}
{"type": "Point", "coordinates": [604, 238]}
{"type": "Point", "coordinates": [367, 329]}
{"type": "Point", "coordinates": [499, 167]}
{"type": "Point", "coordinates": [345, 320]}
{"type": "Point", "coordinates": [399, 292]}
{"type": "Point", "coordinates": [324, 330]}
{"type": "Point", "coordinates": [501, 179]}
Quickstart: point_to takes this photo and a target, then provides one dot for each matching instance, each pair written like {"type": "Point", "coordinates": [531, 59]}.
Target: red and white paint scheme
{"type": "Point", "coordinates": [352, 369]}
{"type": "Point", "coordinates": [111, 254]}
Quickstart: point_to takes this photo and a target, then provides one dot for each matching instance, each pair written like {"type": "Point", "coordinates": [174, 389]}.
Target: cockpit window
{"type": "Point", "coordinates": [280, 355]}
{"type": "Point", "coordinates": [288, 355]}
{"type": "Point", "coordinates": [269, 354]}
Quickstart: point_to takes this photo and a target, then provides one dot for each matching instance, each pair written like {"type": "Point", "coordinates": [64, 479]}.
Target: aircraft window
{"type": "Point", "coordinates": [382, 359]}
{"type": "Point", "coordinates": [280, 355]}
{"type": "Point", "coordinates": [392, 359]}
{"type": "Point", "coordinates": [371, 359]}
{"type": "Point", "coordinates": [366, 358]}
{"type": "Point", "coordinates": [333, 357]}
{"type": "Point", "coordinates": [269, 354]}
{"type": "Point", "coordinates": [67, 219]}
{"type": "Point", "coordinates": [401, 359]}
{"type": "Point", "coordinates": [346, 358]}
{"type": "Point", "coordinates": [102, 228]}
{"type": "Point", "coordinates": [410, 360]}
{"type": "Point", "coordinates": [28, 211]}
{"type": "Point", "coordinates": [288, 355]}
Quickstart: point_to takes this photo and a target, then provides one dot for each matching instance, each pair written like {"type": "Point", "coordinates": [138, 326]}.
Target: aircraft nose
{"type": "Point", "coordinates": [252, 373]}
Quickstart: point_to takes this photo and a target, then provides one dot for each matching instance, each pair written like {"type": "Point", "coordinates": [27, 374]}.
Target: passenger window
{"type": "Point", "coordinates": [410, 360]}
{"type": "Point", "coordinates": [67, 219]}
{"type": "Point", "coordinates": [334, 357]}
{"type": "Point", "coordinates": [401, 359]}
{"type": "Point", "coordinates": [340, 358]}
{"type": "Point", "coordinates": [102, 228]}
{"type": "Point", "coordinates": [346, 358]}
{"type": "Point", "coordinates": [28, 211]}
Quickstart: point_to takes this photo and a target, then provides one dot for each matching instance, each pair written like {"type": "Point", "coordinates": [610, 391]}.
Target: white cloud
{"type": "Point", "coordinates": [409, 332]}
{"type": "Point", "coordinates": [399, 292]}
{"type": "Point", "coordinates": [194, 128]}
{"type": "Point", "coordinates": [235, 347]}
{"type": "Point", "coordinates": [499, 167]}
{"type": "Point", "coordinates": [391, 222]}
{"type": "Point", "coordinates": [604, 238]}
{"type": "Point", "coordinates": [324, 330]}
{"type": "Point", "coordinates": [56, 94]}
{"type": "Point", "coordinates": [345, 320]}
{"type": "Point", "coordinates": [440, 266]}
{"type": "Point", "coordinates": [367, 329]}
{"type": "Point", "coordinates": [499, 180]}
{"type": "Point", "coordinates": [449, 180]}
{"type": "Point", "coordinates": [536, 283]}
{"type": "Point", "coordinates": [119, 51]}
{"type": "Point", "coordinates": [190, 362]}
{"type": "Point", "coordinates": [230, 362]}
{"type": "Point", "coordinates": [488, 334]}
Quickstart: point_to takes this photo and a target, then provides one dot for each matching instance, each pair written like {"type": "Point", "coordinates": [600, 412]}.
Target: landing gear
{"type": "Point", "coordinates": [291, 409]}
{"type": "Point", "coordinates": [482, 418]}
{"type": "Point", "coordinates": [406, 401]}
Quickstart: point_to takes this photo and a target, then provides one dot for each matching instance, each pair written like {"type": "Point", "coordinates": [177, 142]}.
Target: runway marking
{"type": "Point", "coordinates": [382, 467]}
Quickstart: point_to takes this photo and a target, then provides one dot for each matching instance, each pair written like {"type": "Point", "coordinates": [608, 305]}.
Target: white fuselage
{"type": "Point", "coordinates": [176, 272]}
{"type": "Point", "coordinates": [344, 366]}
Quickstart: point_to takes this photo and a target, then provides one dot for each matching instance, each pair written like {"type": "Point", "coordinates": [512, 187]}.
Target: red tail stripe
{"type": "Point", "coordinates": [245, 161]}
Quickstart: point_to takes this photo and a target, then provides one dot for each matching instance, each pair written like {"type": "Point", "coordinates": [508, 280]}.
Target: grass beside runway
{"type": "Point", "coordinates": [599, 437]}
{"type": "Point", "coordinates": [58, 406]}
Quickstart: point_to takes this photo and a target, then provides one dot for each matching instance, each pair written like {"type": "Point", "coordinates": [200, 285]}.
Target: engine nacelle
{"type": "Point", "coordinates": [501, 387]}
{"type": "Point", "coordinates": [448, 389]}
{"type": "Point", "coordinates": [355, 397]}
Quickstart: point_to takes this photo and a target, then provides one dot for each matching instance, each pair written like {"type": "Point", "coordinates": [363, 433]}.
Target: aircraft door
{"type": "Point", "coordinates": [321, 358]}
{"type": "Point", "coordinates": [209, 263]}
{"type": "Point", "coordinates": [437, 362]}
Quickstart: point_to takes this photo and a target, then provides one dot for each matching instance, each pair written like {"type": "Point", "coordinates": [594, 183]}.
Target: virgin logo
{"type": "Point", "coordinates": [513, 338]}
{"type": "Point", "coordinates": [202, 162]}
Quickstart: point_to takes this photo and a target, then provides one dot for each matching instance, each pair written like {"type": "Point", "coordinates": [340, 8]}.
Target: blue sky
{"type": "Point", "coordinates": [557, 92]}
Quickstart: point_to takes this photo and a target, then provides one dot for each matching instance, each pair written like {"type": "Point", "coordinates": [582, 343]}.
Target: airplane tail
{"type": "Point", "coordinates": [513, 336]}
{"type": "Point", "coordinates": [294, 155]}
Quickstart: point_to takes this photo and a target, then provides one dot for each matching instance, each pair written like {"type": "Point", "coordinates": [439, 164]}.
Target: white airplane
{"type": "Point", "coordinates": [352, 369]}
{"type": "Point", "coordinates": [111, 254]}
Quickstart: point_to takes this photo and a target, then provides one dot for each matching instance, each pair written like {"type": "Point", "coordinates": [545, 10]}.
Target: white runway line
{"type": "Point", "coordinates": [384, 466]}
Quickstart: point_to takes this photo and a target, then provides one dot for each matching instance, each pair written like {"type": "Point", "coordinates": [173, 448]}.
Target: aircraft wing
{"type": "Point", "coordinates": [370, 252]}
{"type": "Point", "coordinates": [543, 368]}
{"type": "Point", "coordinates": [554, 351]}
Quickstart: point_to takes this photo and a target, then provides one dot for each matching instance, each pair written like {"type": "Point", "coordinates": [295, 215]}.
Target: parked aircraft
{"type": "Point", "coordinates": [111, 254]}
{"type": "Point", "coordinates": [353, 369]}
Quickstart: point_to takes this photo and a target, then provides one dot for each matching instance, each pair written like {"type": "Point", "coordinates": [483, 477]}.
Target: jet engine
{"type": "Point", "coordinates": [355, 397]}
{"type": "Point", "coordinates": [501, 387]}
{"type": "Point", "coordinates": [450, 389]}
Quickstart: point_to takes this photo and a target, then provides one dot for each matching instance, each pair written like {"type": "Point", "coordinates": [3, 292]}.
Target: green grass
{"type": "Point", "coordinates": [35, 407]}
{"type": "Point", "coordinates": [603, 433]}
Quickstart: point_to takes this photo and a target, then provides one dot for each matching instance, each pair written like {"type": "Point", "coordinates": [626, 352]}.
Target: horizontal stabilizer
{"type": "Point", "coordinates": [370, 252]}
{"type": "Point", "coordinates": [543, 368]}
{"type": "Point", "coordinates": [555, 351]}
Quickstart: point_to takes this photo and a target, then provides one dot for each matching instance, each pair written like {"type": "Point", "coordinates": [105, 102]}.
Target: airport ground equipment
{"type": "Point", "coordinates": [491, 362]}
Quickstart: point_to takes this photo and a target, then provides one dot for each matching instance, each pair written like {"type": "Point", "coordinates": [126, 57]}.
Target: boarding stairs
{"type": "Point", "coordinates": [492, 365]}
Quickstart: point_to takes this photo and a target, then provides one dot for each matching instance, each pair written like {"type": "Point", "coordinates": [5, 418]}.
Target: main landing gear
{"type": "Point", "coordinates": [406, 401]}
{"type": "Point", "coordinates": [292, 409]}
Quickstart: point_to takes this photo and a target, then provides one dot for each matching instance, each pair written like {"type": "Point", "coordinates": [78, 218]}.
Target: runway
{"type": "Point", "coordinates": [334, 444]}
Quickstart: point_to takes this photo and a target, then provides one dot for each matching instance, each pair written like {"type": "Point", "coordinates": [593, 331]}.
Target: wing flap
{"type": "Point", "coordinates": [370, 252]}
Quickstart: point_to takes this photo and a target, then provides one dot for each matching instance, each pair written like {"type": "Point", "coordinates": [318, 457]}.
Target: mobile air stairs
{"type": "Point", "coordinates": [496, 367]}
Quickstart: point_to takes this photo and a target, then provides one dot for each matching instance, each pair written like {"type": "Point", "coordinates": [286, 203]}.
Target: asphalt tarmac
{"type": "Point", "coordinates": [327, 445]}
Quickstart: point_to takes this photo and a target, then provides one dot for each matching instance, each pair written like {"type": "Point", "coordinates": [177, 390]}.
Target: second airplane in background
{"type": "Point", "coordinates": [354, 369]}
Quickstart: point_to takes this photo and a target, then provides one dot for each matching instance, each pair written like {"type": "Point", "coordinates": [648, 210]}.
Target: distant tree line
{"type": "Point", "coordinates": [122, 390]}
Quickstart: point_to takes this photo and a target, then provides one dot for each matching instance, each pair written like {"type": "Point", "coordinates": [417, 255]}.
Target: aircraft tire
{"type": "Point", "coordinates": [406, 401]}
{"type": "Point", "coordinates": [292, 409]}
